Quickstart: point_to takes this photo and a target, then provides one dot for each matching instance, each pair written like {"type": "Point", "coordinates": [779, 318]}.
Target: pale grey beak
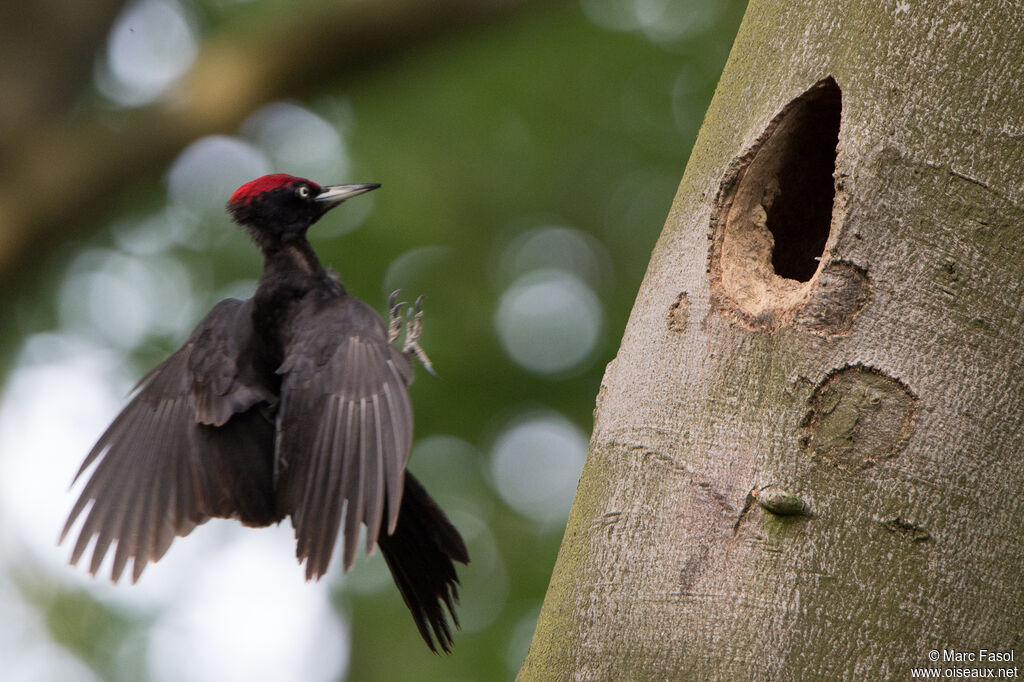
{"type": "Point", "coordinates": [335, 194]}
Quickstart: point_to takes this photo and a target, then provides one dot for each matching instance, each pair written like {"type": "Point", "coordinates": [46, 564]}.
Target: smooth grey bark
{"type": "Point", "coordinates": [882, 400]}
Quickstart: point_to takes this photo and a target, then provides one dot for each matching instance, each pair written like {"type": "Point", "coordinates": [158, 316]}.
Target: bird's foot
{"type": "Point", "coordinates": [413, 319]}
{"type": "Point", "coordinates": [396, 317]}
{"type": "Point", "coordinates": [413, 329]}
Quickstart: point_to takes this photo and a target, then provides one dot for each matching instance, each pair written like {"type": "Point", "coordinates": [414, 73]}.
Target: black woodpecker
{"type": "Point", "coordinates": [293, 403]}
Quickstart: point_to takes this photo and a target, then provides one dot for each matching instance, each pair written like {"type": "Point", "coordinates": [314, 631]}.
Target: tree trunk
{"type": "Point", "coordinates": [806, 455]}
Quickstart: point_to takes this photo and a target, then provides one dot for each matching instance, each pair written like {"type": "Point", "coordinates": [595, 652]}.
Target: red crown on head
{"type": "Point", "coordinates": [259, 186]}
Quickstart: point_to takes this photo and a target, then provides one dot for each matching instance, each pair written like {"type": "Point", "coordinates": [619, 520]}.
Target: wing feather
{"type": "Point", "coordinates": [375, 508]}
{"type": "Point", "coordinates": [329, 532]}
{"type": "Point", "coordinates": [160, 532]}
{"type": "Point", "coordinates": [393, 471]}
{"type": "Point", "coordinates": [355, 469]}
{"type": "Point", "coordinates": [159, 469]}
{"type": "Point", "coordinates": [322, 543]}
{"type": "Point", "coordinates": [344, 430]}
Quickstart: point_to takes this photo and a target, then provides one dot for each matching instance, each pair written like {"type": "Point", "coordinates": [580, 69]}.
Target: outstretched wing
{"type": "Point", "coordinates": [344, 429]}
{"type": "Point", "coordinates": [195, 441]}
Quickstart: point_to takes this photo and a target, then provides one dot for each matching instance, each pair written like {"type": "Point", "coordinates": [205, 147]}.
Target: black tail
{"type": "Point", "coordinates": [420, 554]}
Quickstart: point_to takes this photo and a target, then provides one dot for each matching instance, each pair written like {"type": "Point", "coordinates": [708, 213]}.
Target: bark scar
{"type": "Point", "coordinates": [747, 504]}
{"type": "Point", "coordinates": [906, 529]}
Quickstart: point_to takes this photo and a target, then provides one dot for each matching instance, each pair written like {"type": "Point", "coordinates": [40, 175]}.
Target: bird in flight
{"type": "Point", "coordinates": [292, 403]}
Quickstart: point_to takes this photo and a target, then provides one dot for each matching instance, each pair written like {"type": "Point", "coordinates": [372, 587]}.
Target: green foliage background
{"type": "Point", "coordinates": [545, 118]}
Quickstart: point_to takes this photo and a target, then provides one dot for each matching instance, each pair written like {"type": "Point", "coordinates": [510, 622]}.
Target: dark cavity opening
{"type": "Point", "coordinates": [799, 211]}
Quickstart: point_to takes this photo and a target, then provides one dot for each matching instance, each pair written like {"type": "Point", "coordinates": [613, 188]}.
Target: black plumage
{"type": "Point", "coordinates": [293, 403]}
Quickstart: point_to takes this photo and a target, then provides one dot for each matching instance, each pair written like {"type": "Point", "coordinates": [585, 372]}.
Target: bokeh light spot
{"type": "Point", "coordinates": [209, 170]}
{"type": "Point", "coordinates": [536, 464]}
{"type": "Point", "coordinates": [407, 271]}
{"type": "Point", "coordinates": [661, 21]}
{"type": "Point", "coordinates": [485, 580]}
{"type": "Point", "coordinates": [549, 321]}
{"type": "Point", "coordinates": [124, 298]}
{"type": "Point", "coordinates": [299, 142]}
{"type": "Point", "coordinates": [151, 45]}
{"type": "Point", "coordinates": [51, 410]}
{"type": "Point", "coordinates": [249, 625]}
{"type": "Point", "coordinates": [564, 248]}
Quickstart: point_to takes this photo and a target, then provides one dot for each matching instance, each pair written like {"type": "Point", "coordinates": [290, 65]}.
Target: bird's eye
{"type": "Point", "coordinates": [303, 191]}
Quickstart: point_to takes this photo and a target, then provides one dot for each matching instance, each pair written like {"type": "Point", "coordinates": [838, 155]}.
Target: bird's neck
{"type": "Point", "coordinates": [291, 270]}
{"type": "Point", "coordinates": [291, 273]}
{"type": "Point", "coordinates": [295, 256]}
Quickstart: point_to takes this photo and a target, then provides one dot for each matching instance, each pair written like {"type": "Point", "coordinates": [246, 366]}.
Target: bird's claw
{"type": "Point", "coordinates": [395, 312]}
{"type": "Point", "coordinates": [413, 319]}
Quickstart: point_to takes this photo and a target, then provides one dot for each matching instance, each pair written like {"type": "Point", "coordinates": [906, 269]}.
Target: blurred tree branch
{"type": "Point", "coordinates": [46, 56]}
{"type": "Point", "coordinates": [61, 170]}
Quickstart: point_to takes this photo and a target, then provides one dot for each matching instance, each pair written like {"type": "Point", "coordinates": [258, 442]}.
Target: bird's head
{"type": "Point", "coordinates": [275, 207]}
